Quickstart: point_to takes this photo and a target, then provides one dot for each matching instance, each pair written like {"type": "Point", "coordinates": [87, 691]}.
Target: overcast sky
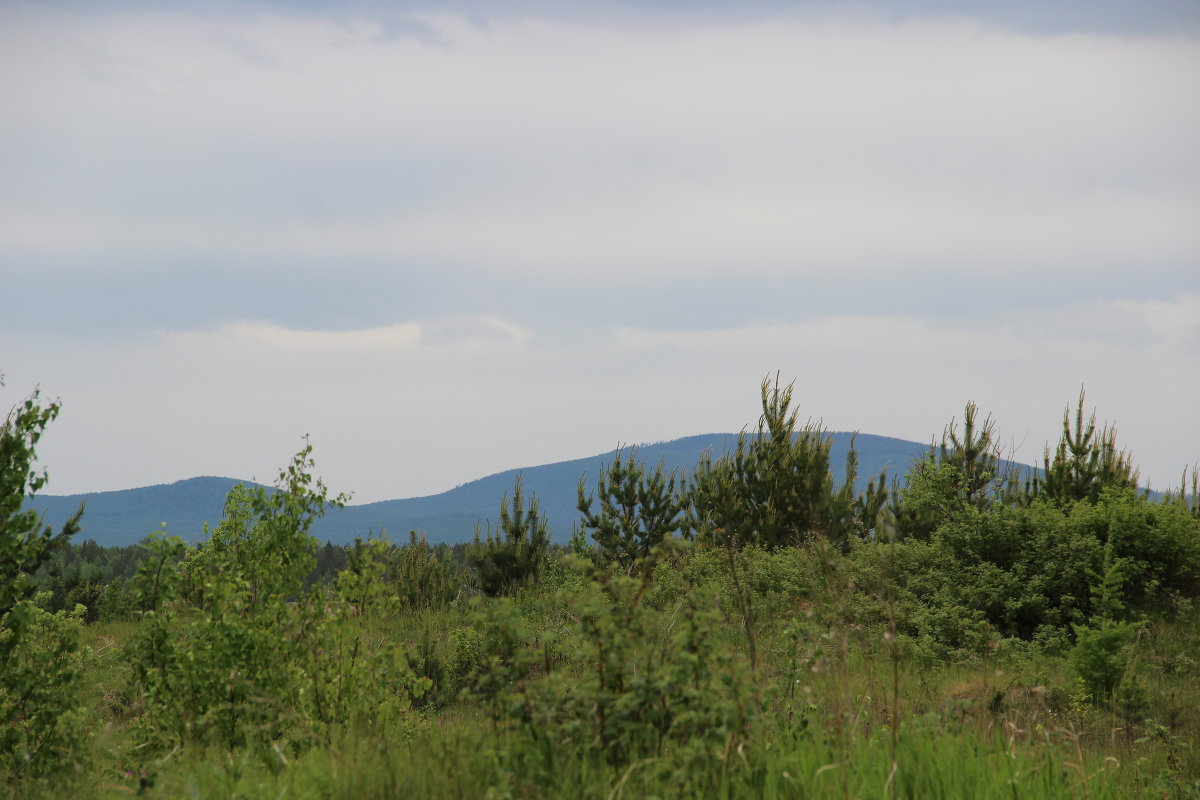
{"type": "Point", "coordinates": [447, 239]}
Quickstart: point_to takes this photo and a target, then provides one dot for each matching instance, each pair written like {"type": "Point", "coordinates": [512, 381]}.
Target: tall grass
{"type": "Point", "coordinates": [843, 707]}
{"type": "Point", "coordinates": [463, 757]}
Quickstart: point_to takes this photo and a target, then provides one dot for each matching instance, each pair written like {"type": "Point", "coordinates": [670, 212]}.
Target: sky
{"type": "Point", "coordinates": [448, 239]}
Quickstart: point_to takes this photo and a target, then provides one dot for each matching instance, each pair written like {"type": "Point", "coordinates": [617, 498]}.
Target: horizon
{"type": "Point", "coordinates": [900, 469]}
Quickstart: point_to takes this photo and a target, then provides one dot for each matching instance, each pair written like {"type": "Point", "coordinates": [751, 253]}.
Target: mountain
{"type": "Point", "coordinates": [125, 517]}
{"type": "Point", "coordinates": [116, 519]}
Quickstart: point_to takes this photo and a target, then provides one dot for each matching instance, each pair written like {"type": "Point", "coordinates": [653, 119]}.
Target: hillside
{"type": "Point", "coordinates": [125, 517]}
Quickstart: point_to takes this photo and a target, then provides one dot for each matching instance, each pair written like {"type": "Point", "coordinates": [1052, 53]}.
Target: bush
{"type": "Point", "coordinates": [44, 723]}
{"type": "Point", "coordinates": [517, 554]}
{"type": "Point", "coordinates": [638, 509]}
{"type": "Point", "coordinates": [776, 489]}
{"type": "Point", "coordinates": [40, 721]}
{"type": "Point", "coordinates": [1100, 658]}
{"type": "Point", "coordinates": [1158, 544]}
{"type": "Point", "coordinates": [423, 580]}
{"type": "Point", "coordinates": [647, 689]}
{"type": "Point", "coordinates": [258, 662]}
{"type": "Point", "coordinates": [1034, 571]}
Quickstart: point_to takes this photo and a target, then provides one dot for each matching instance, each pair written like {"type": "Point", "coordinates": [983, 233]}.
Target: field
{"type": "Point", "coordinates": [518, 697]}
{"type": "Point", "coordinates": [753, 630]}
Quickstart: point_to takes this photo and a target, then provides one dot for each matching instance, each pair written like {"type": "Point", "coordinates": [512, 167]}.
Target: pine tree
{"type": "Point", "coordinates": [638, 509]}
{"type": "Point", "coordinates": [1190, 500]}
{"type": "Point", "coordinates": [964, 472]}
{"type": "Point", "coordinates": [423, 580]}
{"type": "Point", "coordinates": [975, 454]}
{"type": "Point", "coordinates": [776, 489]}
{"type": "Point", "coordinates": [518, 551]}
{"type": "Point", "coordinates": [1084, 463]}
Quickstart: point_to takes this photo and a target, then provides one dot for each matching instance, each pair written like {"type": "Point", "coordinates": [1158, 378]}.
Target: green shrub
{"type": "Point", "coordinates": [467, 657]}
{"type": "Point", "coordinates": [258, 661]}
{"type": "Point", "coordinates": [41, 727]}
{"type": "Point", "coordinates": [1100, 657]}
{"type": "Point", "coordinates": [647, 685]}
{"type": "Point", "coordinates": [1158, 543]}
{"type": "Point", "coordinates": [496, 654]}
{"type": "Point", "coordinates": [776, 489]}
{"type": "Point", "coordinates": [423, 580]}
{"type": "Point", "coordinates": [638, 509]}
{"type": "Point", "coordinates": [43, 724]}
{"type": "Point", "coordinates": [517, 554]}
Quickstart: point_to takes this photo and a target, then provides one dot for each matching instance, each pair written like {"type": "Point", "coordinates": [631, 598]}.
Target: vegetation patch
{"type": "Point", "coordinates": [752, 629]}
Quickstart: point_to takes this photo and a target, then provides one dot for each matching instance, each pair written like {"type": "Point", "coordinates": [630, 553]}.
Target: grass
{"type": "Point", "coordinates": [840, 711]}
{"type": "Point", "coordinates": [464, 757]}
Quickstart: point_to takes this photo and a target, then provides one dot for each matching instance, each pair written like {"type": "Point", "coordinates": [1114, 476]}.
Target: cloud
{"type": "Point", "coordinates": [447, 244]}
{"type": "Point", "coordinates": [542, 147]}
{"type": "Point", "coordinates": [415, 409]}
{"type": "Point", "coordinates": [278, 339]}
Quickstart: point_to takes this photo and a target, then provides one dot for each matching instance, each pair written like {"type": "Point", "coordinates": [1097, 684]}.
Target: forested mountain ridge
{"type": "Point", "coordinates": [125, 517]}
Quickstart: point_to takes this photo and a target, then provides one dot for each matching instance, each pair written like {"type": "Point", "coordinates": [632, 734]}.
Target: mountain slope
{"type": "Point", "coordinates": [126, 517]}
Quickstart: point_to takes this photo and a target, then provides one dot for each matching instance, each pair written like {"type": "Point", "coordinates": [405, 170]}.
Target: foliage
{"type": "Point", "coordinates": [1100, 657]}
{"type": "Point", "coordinates": [516, 555]}
{"type": "Point", "coordinates": [644, 689]}
{"type": "Point", "coordinates": [934, 493]}
{"type": "Point", "coordinates": [976, 456]}
{"type": "Point", "coordinates": [259, 661]}
{"type": "Point", "coordinates": [961, 473]}
{"type": "Point", "coordinates": [1158, 545]}
{"type": "Point", "coordinates": [25, 542]}
{"type": "Point", "coordinates": [90, 575]}
{"type": "Point", "coordinates": [495, 655]}
{"type": "Point", "coordinates": [1084, 463]}
{"type": "Point", "coordinates": [776, 489]}
{"type": "Point", "coordinates": [650, 699]}
{"type": "Point", "coordinates": [348, 677]}
{"type": "Point", "coordinates": [423, 578]}
{"type": "Point", "coordinates": [995, 650]}
{"type": "Point", "coordinates": [229, 550]}
{"type": "Point", "coordinates": [638, 510]}
{"type": "Point", "coordinates": [1037, 571]}
{"type": "Point", "coordinates": [1187, 500]}
{"type": "Point", "coordinates": [42, 719]}
{"type": "Point", "coordinates": [690, 691]}
{"type": "Point", "coordinates": [158, 576]}
{"type": "Point", "coordinates": [363, 583]}
{"type": "Point", "coordinates": [40, 728]}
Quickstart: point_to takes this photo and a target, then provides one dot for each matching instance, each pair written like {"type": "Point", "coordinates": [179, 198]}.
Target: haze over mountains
{"type": "Point", "coordinates": [126, 517]}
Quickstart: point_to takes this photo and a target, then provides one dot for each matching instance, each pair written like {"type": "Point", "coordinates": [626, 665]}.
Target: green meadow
{"type": "Point", "coordinates": [754, 628]}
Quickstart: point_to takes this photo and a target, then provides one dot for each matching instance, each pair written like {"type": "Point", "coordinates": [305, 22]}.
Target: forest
{"type": "Point", "coordinates": [751, 628]}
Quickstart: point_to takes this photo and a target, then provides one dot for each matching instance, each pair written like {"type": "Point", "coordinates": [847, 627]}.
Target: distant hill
{"type": "Point", "coordinates": [126, 517]}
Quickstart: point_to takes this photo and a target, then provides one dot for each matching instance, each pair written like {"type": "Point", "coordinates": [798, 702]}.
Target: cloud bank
{"type": "Point", "coordinates": [448, 240]}
{"type": "Point", "coordinates": [415, 409]}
